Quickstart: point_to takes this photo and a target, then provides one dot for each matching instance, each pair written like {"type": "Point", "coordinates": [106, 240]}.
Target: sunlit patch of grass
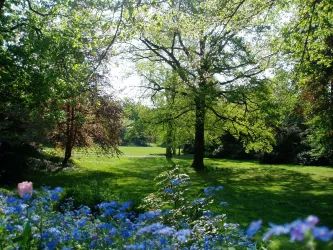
{"type": "Point", "coordinates": [126, 151]}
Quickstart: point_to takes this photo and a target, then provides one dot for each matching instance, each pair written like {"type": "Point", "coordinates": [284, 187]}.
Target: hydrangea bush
{"type": "Point", "coordinates": [171, 221]}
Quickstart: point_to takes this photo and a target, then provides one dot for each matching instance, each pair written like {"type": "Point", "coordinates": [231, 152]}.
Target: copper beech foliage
{"type": "Point", "coordinates": [84, 125]}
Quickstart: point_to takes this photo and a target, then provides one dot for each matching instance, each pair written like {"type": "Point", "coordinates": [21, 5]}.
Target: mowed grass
{"type": "Point", "coordinates": [141, 151]}
{"type": "Point", "coordinates": [129, 151]}
{"type": "Point", "coordinates": [274, 193]}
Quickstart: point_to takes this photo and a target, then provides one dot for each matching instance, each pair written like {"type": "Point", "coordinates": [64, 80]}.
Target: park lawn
{"type": "Point", "coordinates": [129, 151]}
{"type": "Point", "coordinates": [274, 193]}
{"type": "Point", "coordinates": [141, 151]}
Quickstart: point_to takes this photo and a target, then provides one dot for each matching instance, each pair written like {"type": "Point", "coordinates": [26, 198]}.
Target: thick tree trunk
{"type": "Point", "coordinates": [168, 151]}
{"type": "Point", "coordinates": [68, 153]}
{"type": "Point", "coordinates": [199, 140]}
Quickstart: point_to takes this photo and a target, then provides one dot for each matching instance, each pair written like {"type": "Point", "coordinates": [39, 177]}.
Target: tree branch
{"type": "Point", "coordinates": [105, 52]}
{"type": "Point", "coordinates": [308, 33]}
{"type": "Point", "coordinates": [233, 120]}
{"type": "Point", "coordinates": [233, 14]}
{"type": "Point", "coordinates": [173, 117]}
{"type": "Point", "coordinates": [37, 12]}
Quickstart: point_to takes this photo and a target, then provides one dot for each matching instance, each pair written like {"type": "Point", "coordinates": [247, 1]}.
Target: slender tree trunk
{"type": "Point", "coordinates": [69, 134]}
{"type": "Point", "coordinates": [199, 140]}
{"type": "Point", "coordinates": [169, 142]}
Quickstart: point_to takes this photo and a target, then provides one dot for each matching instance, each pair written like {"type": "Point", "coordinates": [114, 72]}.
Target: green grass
{"type": "Point", "coordinates": [129, 151]}
{"type": "Point", "coordinates": [274, 193]}
{"type": "Point", "coordinates": [142, 151]}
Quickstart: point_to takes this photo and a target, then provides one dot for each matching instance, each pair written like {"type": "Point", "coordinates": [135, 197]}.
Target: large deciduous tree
{"type": "Point", "coordinates": [51, 72]}
{"type": "Point", "coordinates": [206, 44]}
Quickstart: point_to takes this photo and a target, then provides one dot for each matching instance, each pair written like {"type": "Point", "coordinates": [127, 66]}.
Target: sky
{"type": "Point", "coordinates": [125, 82]}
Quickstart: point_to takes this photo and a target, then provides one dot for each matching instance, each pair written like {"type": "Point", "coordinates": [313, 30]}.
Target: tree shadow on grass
{"type": "Point", "coordinates": [273, 194]}
{"type": "Point", "coordinates": [123, 182]}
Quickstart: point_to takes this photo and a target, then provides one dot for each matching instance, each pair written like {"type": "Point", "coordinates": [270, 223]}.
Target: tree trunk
{"type": "Point", "coordinates": [199, 140]}
{"type": "Point", "coordinates": [69, 134]}
{"type": "Point", "coordinates": [174, 151]}
{"type": "Point", "coordinates": [168, 151]}
{"type": "Point", "coordinates": [68, 153]}
{"type": "Point", "coordinates": [169, 141]}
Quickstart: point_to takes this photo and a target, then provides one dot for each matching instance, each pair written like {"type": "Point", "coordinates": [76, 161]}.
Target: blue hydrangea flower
{"type": "Point", "coordinates": [182, 235]}
{"type": "Point", "coordinates": [276, 230]}
{"type": "Point", "coordinates": [322, 233]}
{"type": "Point", "coordinates": [209, 191]}
{"type": "Point", "coordinates": [199, 201]}
{"type": "Point", "coordinates": [166, 231]}
{"type": "Point", "coordinates": [224, 204]}
{"type": "Point", "coordinates": [168, 190]}
{"type": "Point", "coordinates": [150, 215]}
{"type": "Point", "coordinates": [253, 228]}
{"type": "Point", "coordinates": [105, 205]}
{"type": "Point", "coordinates": [125, 206]}
{"type": "Point", "coordinates": [176, 182]}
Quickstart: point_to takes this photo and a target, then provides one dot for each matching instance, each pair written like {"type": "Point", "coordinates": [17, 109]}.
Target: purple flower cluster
{"type": "Point", "coordinates": [299, 229]}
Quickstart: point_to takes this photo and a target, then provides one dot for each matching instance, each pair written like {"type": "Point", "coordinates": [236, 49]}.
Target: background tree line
{"type": "Point", "coordinates": [254, 76]}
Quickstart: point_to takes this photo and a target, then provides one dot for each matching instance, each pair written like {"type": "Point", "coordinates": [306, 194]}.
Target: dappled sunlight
{"type": "Point", "coordinates": [273, 193]}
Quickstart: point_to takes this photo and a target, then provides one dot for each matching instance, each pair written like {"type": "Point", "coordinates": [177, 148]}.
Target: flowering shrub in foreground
{"type": "Point", "coordinates": [171, 222]}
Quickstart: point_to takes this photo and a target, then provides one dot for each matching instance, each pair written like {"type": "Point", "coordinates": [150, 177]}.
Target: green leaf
{"type": "Point", "coordinates": [26, 235]}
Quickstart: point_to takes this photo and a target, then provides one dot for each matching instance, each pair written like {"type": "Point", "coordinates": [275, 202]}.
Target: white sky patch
{"type": "Point", "coordinates": [124, 80]}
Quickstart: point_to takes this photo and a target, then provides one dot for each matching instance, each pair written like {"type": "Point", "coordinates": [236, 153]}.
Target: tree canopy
{"type": "Point", "coordinates": [214, 65]}
{"type": "Point", "coordinates": [212, 68]}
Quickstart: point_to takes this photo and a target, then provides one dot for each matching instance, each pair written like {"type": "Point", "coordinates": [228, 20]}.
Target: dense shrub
{"type": "Point", "coordinates": [307, 158]}
{"type": "Point", "coordinates": [13, 161]}
{"type": "Point", "coordinates": [231, 148]}
{"type": "Point", "coordinates": [188, 147]}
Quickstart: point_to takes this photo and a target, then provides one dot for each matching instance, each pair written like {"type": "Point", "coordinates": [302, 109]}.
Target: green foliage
{"type": "Point", "coordinates": [50, 73]}
{"type": "Point", "coordinates": [137, 129]}
{"type": "Point", "coordinates": [173, 198]}
{"type": "Point", "coordinates": [198, 62]}
{"type": "Point", "coordinates": [307, 43]}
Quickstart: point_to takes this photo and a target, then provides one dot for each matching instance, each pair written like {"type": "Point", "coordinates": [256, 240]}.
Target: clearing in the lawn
{"type": "Point", "coordinates": [273, 193]}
